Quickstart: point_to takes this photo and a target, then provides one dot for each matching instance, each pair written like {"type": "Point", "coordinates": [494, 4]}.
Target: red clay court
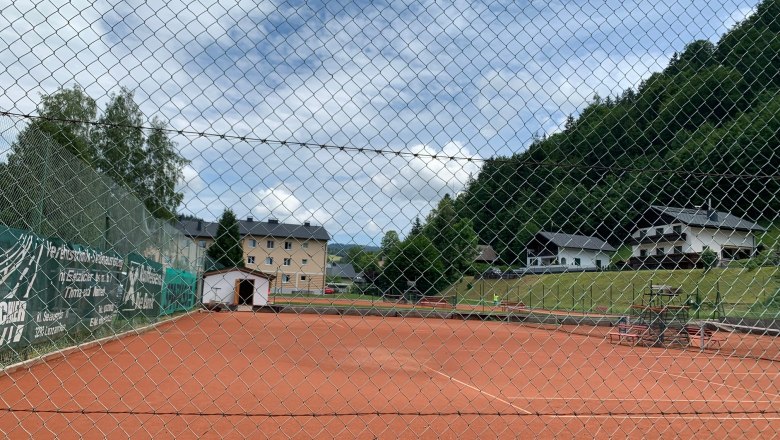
{"type": "Point", "coordinates": [228, 375]}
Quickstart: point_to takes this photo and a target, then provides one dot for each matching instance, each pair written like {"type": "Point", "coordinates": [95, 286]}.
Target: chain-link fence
{"type": "Point", "coordinates": [395, 219]}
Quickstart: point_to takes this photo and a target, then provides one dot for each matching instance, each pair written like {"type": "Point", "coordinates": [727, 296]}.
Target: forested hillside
{"type": "Point", "coordinates": [687, 134]}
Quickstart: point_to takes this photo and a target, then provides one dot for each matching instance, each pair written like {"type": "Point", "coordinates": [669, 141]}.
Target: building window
{"type": "Point", "coordinates": [269, 260]}
{"type": "Point", "coordinates": [269, 244]}
{"type": "Point", "coordinates": [659, 251]}
{"type": "Point", "coordinates": [678, 250]}
{"type": "Point", "coordinates": [303, 277]}
{"type": "Point", "coordinates": [577, 262]}
{"type": "Point", "coordinates": [250, 259]}
{"type": "Point", "coordinates": [642, 253]}
{"type": "Point", "coordinates": [598, 264]}
{"type": "Point", "coordinates": [252, 243]}
{"type": "Point", "coordinates": [677, 229]}
{"type": "Point", "coordinates": [288, 245]}
{"type": "Point", "coordinates": [201, 243]}
{"type": "Point", "coordinates": [287, 262]}
{"type": "Point", "coordinates": [304, 262]}
{"type": "Point", "coordinates": [285, 278]}
{"type": "Point", "coordinates": [659, 231]}
{"type": "Point", "coordinates": [305, 245]}
{"type": "Point", "coordinates": [563, 261]}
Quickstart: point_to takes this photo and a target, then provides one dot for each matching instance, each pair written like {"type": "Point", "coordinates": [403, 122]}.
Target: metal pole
{"type": "Point", "coordinates": [543, 293]}
{"type": "Point", "coordinates": [591, 297]}
{"type": "Point", "coordinates": [573, 300]}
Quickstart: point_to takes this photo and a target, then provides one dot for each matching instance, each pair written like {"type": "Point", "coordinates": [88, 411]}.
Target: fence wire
{"type": "Point", "coordinates": [397, 219]}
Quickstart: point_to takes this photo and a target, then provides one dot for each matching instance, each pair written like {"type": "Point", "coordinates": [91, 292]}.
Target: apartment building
{"type": "Point", "coordinates": [295, 254]}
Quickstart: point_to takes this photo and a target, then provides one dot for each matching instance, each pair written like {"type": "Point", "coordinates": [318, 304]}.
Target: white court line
{"type": "Point", "coordinates": [478, 390]}
{"type": "Point", "coordinates": [718, 417]}
{"type": "Point", "coordinates": [629, 400]}
{"type": "Point", "coordinates": [713, 383]}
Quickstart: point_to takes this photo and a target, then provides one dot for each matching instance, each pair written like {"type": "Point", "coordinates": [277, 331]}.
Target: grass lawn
{"type": "Point", "coordinates": [742, 292]}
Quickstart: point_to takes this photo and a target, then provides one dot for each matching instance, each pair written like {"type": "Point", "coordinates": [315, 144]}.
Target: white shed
{"type": "Point", "coordinates": [236, 286]}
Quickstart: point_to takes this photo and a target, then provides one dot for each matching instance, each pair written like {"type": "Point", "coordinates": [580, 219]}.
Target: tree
{"type": "Point", "coordinates": [226, 250]}
{"type": "Point", "coordinates": [66, 117]}
{"type": "Point", "coordinates": [119, 140]}
{"type": "Point", "coordinates": [709, 259]}
{"type": "Point", "coordinates": [359, 258]}
{"type": "Point", "coordinates": [389, 242]}
{"type": "Point", "coordinates": [149, 166]}
{"type": "Point", "coordinates": [416, 227]}
{"type": "Point", "coordinates": [453, 237]}
{"type": "Point", "coordinates": [164, 166]}
{"type": "Point", "coordinates": [414, 260]}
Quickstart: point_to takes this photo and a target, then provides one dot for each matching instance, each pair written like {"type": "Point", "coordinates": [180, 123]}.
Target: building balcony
{"type": "Point", "coordinates": [664, 238]}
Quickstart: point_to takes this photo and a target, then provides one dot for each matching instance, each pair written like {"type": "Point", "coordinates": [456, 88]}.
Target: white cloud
{"type": "Point", "coordinates": [465, 78]}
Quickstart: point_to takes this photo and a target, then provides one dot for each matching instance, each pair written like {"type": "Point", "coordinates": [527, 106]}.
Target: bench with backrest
{"type": "Point", "coordinates": [510, 305]}
{"type": "Point", "coordinates": [702, 337]}
{"type": "Point", "coordinates": [435, 301]}
{"type": "Point", "coordinates": [630, 332]}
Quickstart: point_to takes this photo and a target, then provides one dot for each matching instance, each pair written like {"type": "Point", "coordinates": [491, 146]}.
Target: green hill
{"type": "Point", "coordinates": [706, 127]}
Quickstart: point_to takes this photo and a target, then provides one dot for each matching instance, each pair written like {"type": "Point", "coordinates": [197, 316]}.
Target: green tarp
{"type": "Point", "coordinates": [49, 288]}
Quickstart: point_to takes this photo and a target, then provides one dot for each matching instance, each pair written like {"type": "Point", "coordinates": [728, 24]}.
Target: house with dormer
{"type": "Point", "coordinates": [674, 238]}
{"type": "Point", "coordinates": [556, 250]}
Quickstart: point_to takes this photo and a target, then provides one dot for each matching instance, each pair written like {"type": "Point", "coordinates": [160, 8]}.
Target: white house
{"type": "Point", "coordinates": [672, 238]}
{"type": "Point", "coordinates": [567, 251]}
{"type": "Point", "coordinates": [236, 286]}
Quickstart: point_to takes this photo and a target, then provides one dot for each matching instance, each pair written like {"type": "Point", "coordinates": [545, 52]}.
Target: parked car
{"type": "Point", "coordinates": [329, 291]}
{"type": "Point", "coordinates": [492, 272]}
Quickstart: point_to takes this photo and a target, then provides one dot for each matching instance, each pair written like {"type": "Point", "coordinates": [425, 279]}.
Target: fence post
{"type": "Point", "coordinates": [573, 300]}
{"type": "Point", "coordinates": [591, 298]}
{"type": "Point", "coordinates": [543, 293]}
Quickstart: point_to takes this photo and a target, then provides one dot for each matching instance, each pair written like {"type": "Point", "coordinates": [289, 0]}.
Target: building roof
{"type": "Point", "coordinates": [486, 253]}
{"type": "Point", "coordinates": [204, 229]}
{"type": "Point", "coordinates": [240, 269]}
{"type": "Point", "coordinates": [707, 218]}
{"type": "Point", "coordinates": [341, 270]}
{"type": "Point", "coordinates": [576, 241]}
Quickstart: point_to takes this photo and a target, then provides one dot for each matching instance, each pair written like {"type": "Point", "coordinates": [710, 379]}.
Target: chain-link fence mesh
{"type": "Point", "coordinates": [396, 219]}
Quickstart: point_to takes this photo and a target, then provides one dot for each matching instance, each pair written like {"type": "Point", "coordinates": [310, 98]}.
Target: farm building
{"type": "Point", "coordinates": [236, 286]}
{"type": "Point", "coordinates": [486, 254]}
{"type": "Point", "coordinates": [672, 238]}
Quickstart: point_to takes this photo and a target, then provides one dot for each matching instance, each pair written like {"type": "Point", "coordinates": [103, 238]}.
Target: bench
{"type": "Point", "coordinates": [630, 332]}
{"type": "Point", "coordinates": [702, 337]}
{"type": "Point", "coordinates": [435, 301]}
{"type": "Point", "coordinates": [508, 305]}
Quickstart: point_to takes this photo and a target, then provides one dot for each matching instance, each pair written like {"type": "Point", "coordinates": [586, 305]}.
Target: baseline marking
{"type": "Point", "coordinates": [587, 399]}
{"type": "Point", "coordinates": [478, 390]}
{"type": "Point", "coordinates": [667, 416]}
{"type": "Point", "coordinates": [741, 388]}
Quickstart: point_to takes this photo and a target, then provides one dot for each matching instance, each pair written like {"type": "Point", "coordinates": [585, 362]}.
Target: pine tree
{"type": "Point", "coordinates": [226, 250]}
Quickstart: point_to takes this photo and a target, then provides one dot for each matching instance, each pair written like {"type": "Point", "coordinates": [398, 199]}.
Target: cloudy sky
{"type": "Point", "coordinates": [468, 78]}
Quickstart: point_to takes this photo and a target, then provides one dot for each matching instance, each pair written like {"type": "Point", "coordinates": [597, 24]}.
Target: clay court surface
{"type": "Point", "coordinates": [232, 375]}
